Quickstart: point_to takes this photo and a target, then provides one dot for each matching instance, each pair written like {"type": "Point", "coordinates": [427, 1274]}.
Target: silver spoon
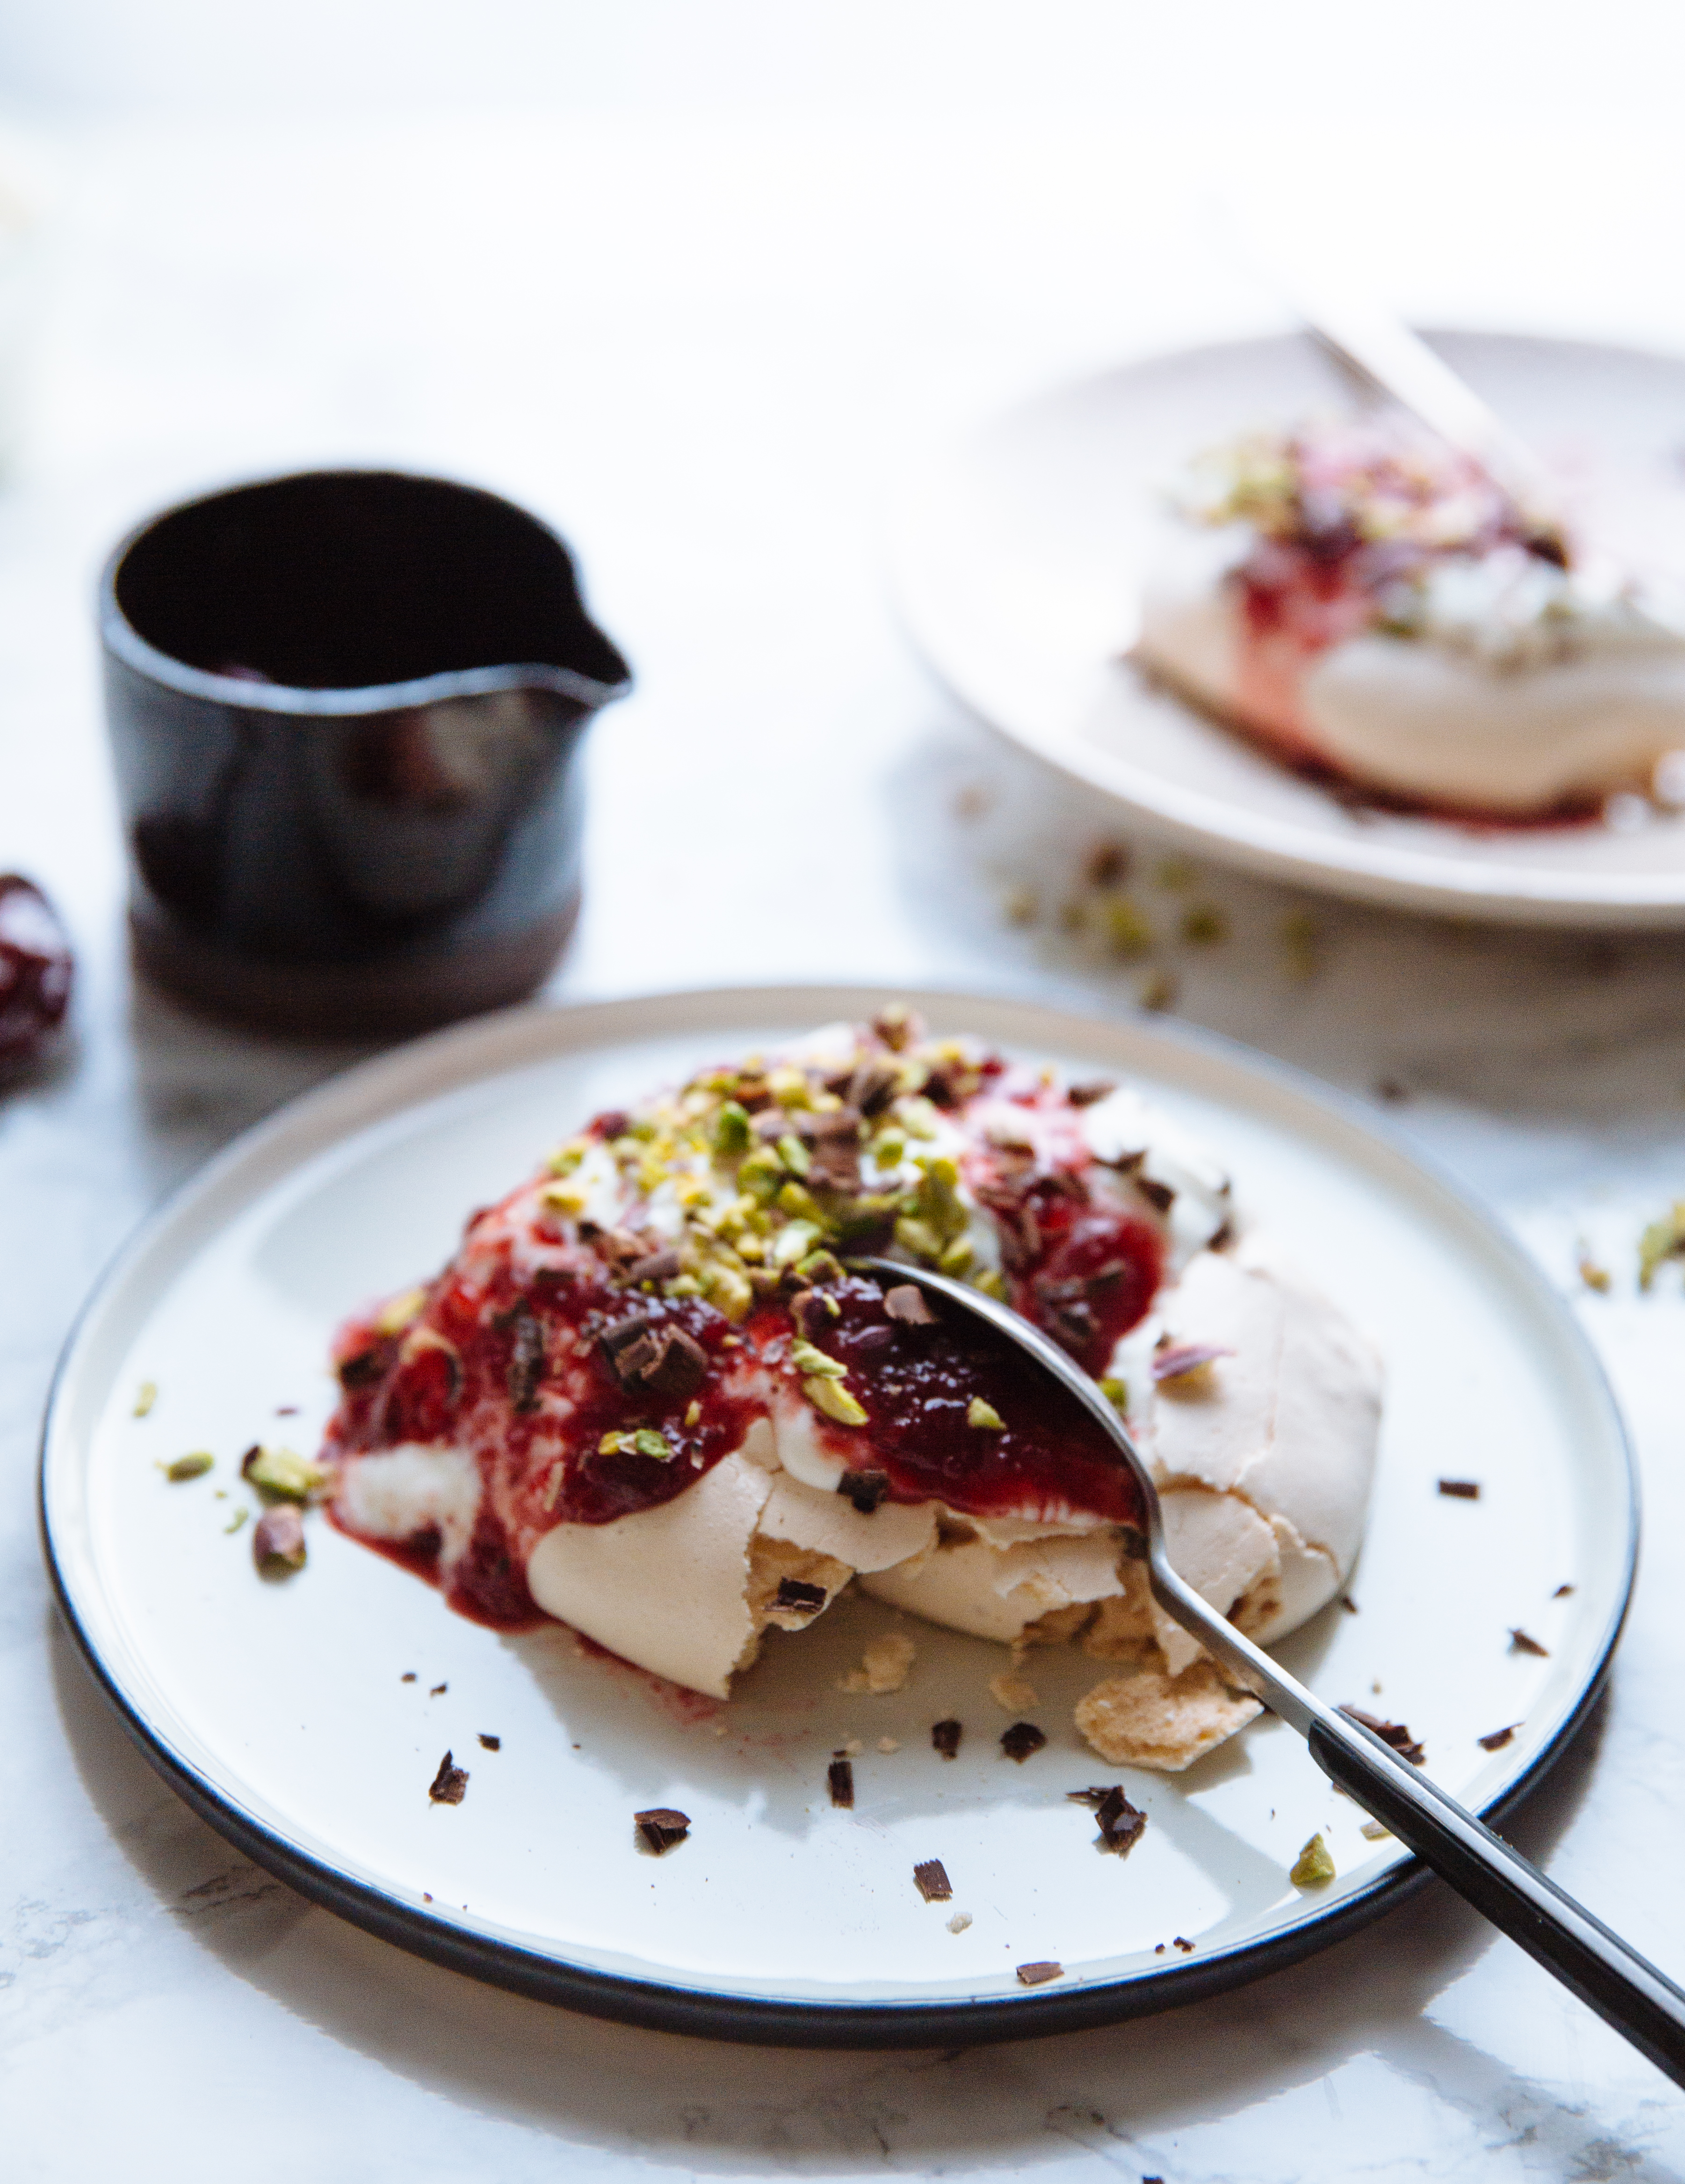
{"type": "Point", "coordinates": [1628, 1992]}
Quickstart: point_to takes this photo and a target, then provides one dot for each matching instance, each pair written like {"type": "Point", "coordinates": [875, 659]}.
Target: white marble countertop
{"type": "Point", "coordinates": [702, 337]}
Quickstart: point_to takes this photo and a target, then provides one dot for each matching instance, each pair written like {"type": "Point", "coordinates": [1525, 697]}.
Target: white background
{"type": "Point", "coordinates": [694, 280]}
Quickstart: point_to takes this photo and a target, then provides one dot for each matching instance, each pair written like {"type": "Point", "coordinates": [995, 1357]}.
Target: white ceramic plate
{"type": "Point", "coordinates": [279, 1709]}
{"type": "Point", "coordinates": [1017, 557]}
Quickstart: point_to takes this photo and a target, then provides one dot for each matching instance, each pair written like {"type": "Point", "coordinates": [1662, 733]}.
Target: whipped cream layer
{"type": "Point", "coordinates": [648, 1398]}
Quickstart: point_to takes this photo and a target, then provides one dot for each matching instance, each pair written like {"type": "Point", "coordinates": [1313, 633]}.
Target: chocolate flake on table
{"type": "Point", "coordinates": [1120, 1822]}
{"type": "Point", "coordinates": [1182, 1943]}
{"type": "Point", "coordinates": [278, 1542]}
{"type": "Point", "coordinates": [794, 1593]}
{"type": "Point", "coordinates": [449, 1786]}
{"type": "Point", "coordinates": [1562, 1593]}
{"type": "Point", "coordinates": [907, 1303]}
{"type": "Point", "coordinates": [438, 1691]}
{"type": "Point", "coordinates": [945, 1737]}
{"type": "Point", "coordinates": [661, 1827]}
{"type": "Point", "coordinates": [1390, 1732]}
{"type": "Point", "coordinates": [866, 1490]}
{"type": "Point", "coordinates": [1461, 1490]}
{"type": "Point", "coordinates": [1348, 1603]}
{"type": "Point", "coordinates": [1495, 1740]}
{"type": "Point", "coordinates": [491, 1743]}
{"type": "Point", "coordinates": [1023, 1738]}
{"type": "Point", "coordinates": [1038, 1974]}
{"type": "Point", "coordinates": [840, 1775]}
{"type": "Point", "coordinates": [408, 1677]}
{"type": "Point", "coordinates": [1521, 1643]}
{"type": "Point", "coordinates": [932, 1881]}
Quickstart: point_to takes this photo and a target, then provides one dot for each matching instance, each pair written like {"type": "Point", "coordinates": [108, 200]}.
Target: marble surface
{"type": "Point", "coordinates": [703, 341]}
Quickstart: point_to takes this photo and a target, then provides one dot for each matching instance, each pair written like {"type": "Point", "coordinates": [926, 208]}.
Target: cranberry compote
{"type": "Point", "coordinates": [917, 1385]}
{"type": "Point", "coordinates": [35, 965]}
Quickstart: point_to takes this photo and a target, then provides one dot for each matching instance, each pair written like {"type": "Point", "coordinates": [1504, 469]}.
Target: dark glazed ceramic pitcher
{"type": "Point", "coordinates": [346, 709]}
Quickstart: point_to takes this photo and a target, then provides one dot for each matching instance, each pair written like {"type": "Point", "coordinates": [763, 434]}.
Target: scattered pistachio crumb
{"type": "Point", "coordinates": [1374, 1830]}
{"type": "Point", "coordinates": [283, 1473]}
{"type": "Point", "coordinates": [888, 1744]}
{"type": "Point", "coordinates": [1116, 1393]}
{"type": "Point", "coordinates": [885, 1665]}
{"type": "Point", "coordinates": [145, 1396]}
{"type": "Point", "coordinates": [236, 1520]}
{"type": "Point", "coordinates": [693, 1415]}
{"type": "Point", "coordinates": [194, 1465]}
{"type": "Point", "coordinates": [1662, 1240]}
{"type": "Point", "coordinates": [1128, 928]}
{"type": "Point", "coordinates": [984, 1416]}
{"type": "Point", "coordinates": [1594, 1277]}
{"type": "Point", "coordinates": [807, 1358]}
{"type": "Point", "coordinates": [1312, 1868]}
{"type": "Point", "coordinates": [959, 1922]}
{"type": "Point", "coordinates": [1203, 925]}
{"type": "Point", "coordinates": [831, 1397]}
{"type": "Point", "coordinates": [852, 1749]}
{"type": "Point", "coordinates": [1011, 1693]}
{"type": "Point", "coordinates": [393, 1317]}
{"type": "Point", "coordinates": [1158, 991]}
{"type": "Point", "coordinates": [1301, 945]}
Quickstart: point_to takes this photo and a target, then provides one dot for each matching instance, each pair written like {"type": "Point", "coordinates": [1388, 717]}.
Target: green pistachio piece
{"type": "Point", "coordinates": [1312, 1868]}
{"type": "Point", "coordinates": [236, 1520]}
{"type": "Point", "coordinates": [918, 1237]}
{"type": "Point", "coordinates": [762, 1174]}
{"type": "Point", "coordinates": [822, 1266]}
{"type": "Point", "coordinates": [1662, 1240]}
{"type": "Point", "coordinates": [284, 1474]}
{"type": "Point", "coordinates": [1116, 1393]}
{"type": "Point", "coordinates": [890, 1150]}
{"type": "Point", "coordinates": [796, 1197]}
{"type": "Point", "coordinates": [834, 1400]}
{"type": "Point", "coordinates": [731, 1133]}
{"type": "Point", "coordinates": [984, 1416]}
{"type": "Point", "coordinates": [992, 1282]}
{"type": "Point", "coordinates": [615, 1444]}
{"type": "Point", "coordinates": [727, 1290]}
{"type": "Point", "coordinates": [956, 1257]}
{"type": "Point", "coordinates": [145, 1396]}
{"type": "Point", "coordinates": [193, 1466]}
{"type": "Point", "coordinates": [1128, 928]}
{"type": "Point", "coordinates": [682, 1285]}
{"type": "Point", "coordinates": [807, 1358]}
{"type": "Point", "coordinates": [1203, 925]}
{"type": "Point", "coordinates": [917, 1116]}
{"type": "Point", "coordinates": [794, 1241]}
{"type": "Point", "coordinates": [647, 1442]}
{"type": "Point", "coordinates": [794, 1155]}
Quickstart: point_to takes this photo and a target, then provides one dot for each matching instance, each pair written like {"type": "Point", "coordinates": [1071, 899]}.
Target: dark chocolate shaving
{"type": "Point", "coordinates": [612, 1122]}
{"type": "Point", "coordinates": [491, 1743]}
{"type": "Point", "coordinates": [438, 1691]}
{"type": "Point", "coordinates": [932, 1881]}
{"type": "Point", "coordinates": [945, 1736]}
{"type": "Point", "coordinates": [1023, 1738]}
{"type": "Point", "coordinates": [1562, 1592]}
{"type": "Point", "coordinates": [1038, 1974]}
{"type": "Point", "coordinates": [1521, 1643]}
{"type": "Point", "coordinates": [840, 1775]}
{"type": "Point", "coordinates": [793, 1593]}
{"type": "Point", "coordinates": [1348, 1603]}
{"type": "Point", "coordinates": [1120, 1822]}
{"type": "Point", "coordinates": [1182, 1943]}
{"type": "Point", "coordinates": [866, 1490]}
{"type": "Point", "coordinates": [662, 1826]}
{"type": "Point", "coordinates": [526, 1358]}
{"type": "Point", "coordinates": [663, 1362]}
{"type": "Point", "coordinates": [658, 1267]}
{"type": "Point", "coordinates": [1390, 1732]}
{"type": "Point", "coordinates": [1495, 1740]}
{"type": "Point", "coordinates": [872, 1086]}
{"type": "Point", "coordinates": [906, 1302]}
{"type": "Point", "coordinates": [1156, 1194]}
{"type": "Point", "coordinates": [1086, 1095]}
{"type": "Point", "coordinates": [408, 1677]}
{"type": "Point", "coordinates": [449, 1786]}
{"type": "Point", "coordinates": [1461, 1490]}
{"type": "Point", "coordinates": [363, 1370]}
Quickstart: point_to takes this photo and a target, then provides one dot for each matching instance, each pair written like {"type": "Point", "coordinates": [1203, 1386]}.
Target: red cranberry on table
{"type": "Point", "coordinates": [35, 965]}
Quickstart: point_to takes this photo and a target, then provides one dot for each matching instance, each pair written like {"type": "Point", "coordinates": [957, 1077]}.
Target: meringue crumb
{"type": "Point", "coordinates": [717, 1728]}
{"type": "Point", "coordinates": [959, 1922]}
{"type": "Point", "coordinates": [885, 1665]}
{"type": "Point", "coordinates": [851, 1750]}
{"type": "Point", "coordinates": [888, 1744]}
{"type": "Point", "coordinates": [1011, 1693]}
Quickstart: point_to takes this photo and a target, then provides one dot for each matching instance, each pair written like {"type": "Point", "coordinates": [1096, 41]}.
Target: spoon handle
{"type": "Point", "coordinates": [1610, 1978]}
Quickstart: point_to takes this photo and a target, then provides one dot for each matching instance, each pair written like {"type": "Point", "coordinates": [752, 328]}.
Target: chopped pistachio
{"type": "Point", "coordinates": [1116, 1393]}
{"type": "Point", "coordinates": [566, 1158]}
{"type": "Point", "coordinates": [917, 1116]}
{"type": "Point", "coordinates": [1158, 991]}
{"type": "Point", "coordinates": [992, 1282]}
{"type": "Point", "coordinates": [918, 1237]}
{"type": "Point", "coordinates": [236, 1520]}
{"type": "Point", "coordinates": [1591, 1273]}
{"type": "Point", "coordinates": [194, 1465]}
{"type": "Point", "coordinates": [682, 1285]}
{"type": "Point", "coordinates": [732, 1131]}
{"type": "Point", "coordinates": [889, 1150]}
{"type": "Point", "coordinates": [956, 1257]}
{"type": "Point", "coordinates": [646, 1441]}
{"type": "Point", "coordinates": [822, 1266]}
{"type": "Point", "coordinates": [1128, 928]}
{"type": "Point", "coordinates": [984, 1416]}
{"type": "Point", "coordinates": [400, 1312]}
{"type": "Point", "coordinates": [727, 1290]}
{"type": "Point", "coordinates": [615, 1444]}
{"type": "Point", "coordinates": [762, 1174]}
{"type": "Point", "coordinates": [1300, 945]}
{"type": "Point", "coordinates": [789, 1087]}
{"type": "Point", "coordinates": [794, 1155]}
{"type": "Point", "coordinates": [1662, 1240]}
{"type": "Point", "coordinates": [806, 1357]}
{"type": "Point", "coordinates": [834, 1400]}
{"type": "Point", "coordinates": [693, 1415]}
{"type": "Point", "coordinates": [284, 1474]}
{"type": "Point", "coordinates": [567, 1198]}
{"type": "Point", "coordinates": [1203, 925]}
{"type": "Point", "coordinates": [145, 1396]}
{"type": "Point", "coordinates": [1312, 1868]}
{"type": "Point", "coordinates": [643, 1129]}
{"type": "Point", "coordinates": [794, 1241]}
{"type": "Point", "coordinates": [796, 1197]}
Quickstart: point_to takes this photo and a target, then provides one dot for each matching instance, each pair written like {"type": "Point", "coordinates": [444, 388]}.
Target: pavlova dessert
{"type": "Point", "coordinates": [1373, 605]}
{"type": "Point", "coordinates": [649, 1397]}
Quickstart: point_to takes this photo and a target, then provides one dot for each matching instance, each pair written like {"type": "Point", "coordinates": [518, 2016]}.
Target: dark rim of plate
{"type": "Point", "coordinates": [785, 2021]}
